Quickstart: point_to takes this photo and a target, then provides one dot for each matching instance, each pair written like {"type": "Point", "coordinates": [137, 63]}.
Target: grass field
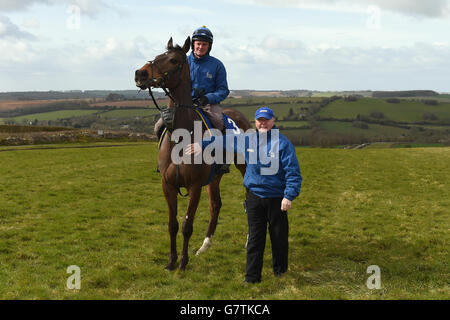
{"type": "Point", "coordinates": [129, 113]}
{"type": "Point", "coordinates": [372, 130]}
{"type": "Point", "coordinates": [408, 111]}
{"type": "Point", "coordinates": [54, 115]}
{"type": "Point", "coordinates": [103, 210]}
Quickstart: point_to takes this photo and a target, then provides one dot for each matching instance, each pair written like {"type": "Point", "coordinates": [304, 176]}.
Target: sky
{"type": "Point", "coordinates": [325, 45]}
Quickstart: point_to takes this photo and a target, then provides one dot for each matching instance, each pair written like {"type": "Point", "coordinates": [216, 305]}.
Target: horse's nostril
{"type": "Point", "coordinates": [141, 74]}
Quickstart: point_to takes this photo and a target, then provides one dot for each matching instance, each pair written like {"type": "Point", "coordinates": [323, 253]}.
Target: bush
{"type": "Point", "coordinates": [431, 102]}
{"type": "Point", "coordinates": [393, 100]}
{"type": "Point", "coordinates": [360, 125]}
{"type": "Point", "coordinates": [429, 116]}
{"type": "Point", "coordinates": [351, 98]}
{"type": "Point", "coordinates": [377, 114]}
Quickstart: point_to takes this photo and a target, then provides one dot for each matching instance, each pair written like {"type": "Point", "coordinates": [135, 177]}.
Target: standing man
{"type": "Point", "coordinates": [270, 192]}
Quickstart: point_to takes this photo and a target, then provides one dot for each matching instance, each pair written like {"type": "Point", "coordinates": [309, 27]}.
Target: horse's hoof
{"type": "Point", "coordinates": [183, 264]}
{"type": "Point", "coordinates": [206, 244]}
{"type": "Point", "coordinates": [170, 267]}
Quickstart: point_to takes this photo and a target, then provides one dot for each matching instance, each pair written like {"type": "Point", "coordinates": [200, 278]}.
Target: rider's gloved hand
{"type": "Point", "coordinates": [201, 101]}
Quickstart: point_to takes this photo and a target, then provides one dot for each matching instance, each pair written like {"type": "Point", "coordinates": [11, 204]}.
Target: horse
{"type": "Point", "coordinates": [170, 71]}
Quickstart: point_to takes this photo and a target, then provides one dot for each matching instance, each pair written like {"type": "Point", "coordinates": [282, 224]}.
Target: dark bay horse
{"type": "Point", "coordinates": [171, 72]}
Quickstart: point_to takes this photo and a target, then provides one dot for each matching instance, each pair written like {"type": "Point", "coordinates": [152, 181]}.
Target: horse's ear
{"type": "Point", "coordinates": [187, 45]}
{"type": "Point", "coordinates": [170, 44]}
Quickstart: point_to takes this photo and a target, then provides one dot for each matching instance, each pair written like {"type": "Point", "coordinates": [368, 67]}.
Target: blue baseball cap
{"type": "Point", "coordinates": [264, 112]}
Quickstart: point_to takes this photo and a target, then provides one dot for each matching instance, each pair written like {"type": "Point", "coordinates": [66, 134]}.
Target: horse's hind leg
{"type": "Point", "coordinates": [215, 203]}
{"type": "Point", "coordinates": [188, 224]}
{"type": "Point", "coordinates": [170, 194]}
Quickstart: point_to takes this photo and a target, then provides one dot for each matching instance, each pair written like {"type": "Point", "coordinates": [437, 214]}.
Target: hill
{"type": "Point", "coordinates": [306, 120]}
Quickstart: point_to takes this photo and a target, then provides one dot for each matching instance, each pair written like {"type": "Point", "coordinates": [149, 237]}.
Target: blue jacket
{"type": "Point", "coordinates": [272, 165]}
{"type": "Point", "coordinates": [209, 74]}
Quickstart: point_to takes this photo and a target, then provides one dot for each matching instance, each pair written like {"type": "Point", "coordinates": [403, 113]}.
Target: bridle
{"type": "Point", "coordinates": [163, 79]}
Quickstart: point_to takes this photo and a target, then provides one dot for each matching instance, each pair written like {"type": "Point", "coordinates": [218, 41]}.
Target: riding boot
{"type": "Point", "coordinates": [159, 129]}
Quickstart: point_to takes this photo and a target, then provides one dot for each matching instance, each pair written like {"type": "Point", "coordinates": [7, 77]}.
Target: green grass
{"type": "Point", "coordinates": [103, 210]}
{"type": "Point", "coordinates": [408, 111]}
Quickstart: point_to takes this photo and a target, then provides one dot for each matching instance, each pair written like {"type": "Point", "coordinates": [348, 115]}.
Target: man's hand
{"type": "Point", "coordinates": [202, 101]}
{"type": "Point", "coordinates": [193, 148]}
{"type": "Point", "coordinates": [286, 204]}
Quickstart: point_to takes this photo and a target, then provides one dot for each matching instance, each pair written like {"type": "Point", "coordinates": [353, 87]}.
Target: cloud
{"type": "Point", "coordinates": [183, 10]}
{"type": "Point", "coordinates": [430, 8]}
{"type": "Point", "coordinates": [105, 64]}
{"type": "Point", "coordinates": [90, 8]}
{"type": "Point", "coordinates": [18, 5]}
{"type": "Point", "coordinates": [11, 31]}
{"type": "Point", "coordinates": [273, 64]}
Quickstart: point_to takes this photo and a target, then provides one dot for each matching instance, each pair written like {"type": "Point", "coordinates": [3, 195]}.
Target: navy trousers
{"type": "Point", "coordinates": [262, 212]}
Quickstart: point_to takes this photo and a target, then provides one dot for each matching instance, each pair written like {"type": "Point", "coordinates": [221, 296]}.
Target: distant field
{"type": "Point", "coordinates": [280, 110]}
{"type": "Point", "coordinates": [129, 103]}
{"type": "Point", "coordinates": [129, 113]}
{"type": "Point", "coordinates": [6, 105]}
{"type": "Point", "coordinates": [292, 124]}
{"type": "Point", "coordinates": [103, 210]}
{"type": "Point", "coordinates": [139, 116]}
{"type": "Point", "coordinates": [54, 115]}
{"type": "Point", "coordinates": [407, 111]}
{"type": "Point", "coordinates": [373, 130]}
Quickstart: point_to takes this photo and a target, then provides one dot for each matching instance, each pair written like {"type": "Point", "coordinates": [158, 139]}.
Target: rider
{"type": "Point", "coordinates": [209, 81]}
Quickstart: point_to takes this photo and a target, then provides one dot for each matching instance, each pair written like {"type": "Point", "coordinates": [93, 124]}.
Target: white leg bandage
{"type": "Point", "coordinates": [206, 244]}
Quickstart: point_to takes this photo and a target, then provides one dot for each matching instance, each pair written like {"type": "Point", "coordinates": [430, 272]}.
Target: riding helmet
{"type": "Point", "coordinates": [202, 34]}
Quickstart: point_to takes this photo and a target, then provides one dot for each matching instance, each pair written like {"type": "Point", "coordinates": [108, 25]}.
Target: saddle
{"type": "Point", "coordinates": [228, 123]}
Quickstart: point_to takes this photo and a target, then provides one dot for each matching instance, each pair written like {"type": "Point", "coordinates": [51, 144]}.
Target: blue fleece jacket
{"type": "Point", "coordinates": [209, 74]}
{"type": "Point", "coordinates": [272, 165]}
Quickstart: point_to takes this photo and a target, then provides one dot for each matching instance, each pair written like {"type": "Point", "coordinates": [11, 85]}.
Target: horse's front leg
{"type": "Point", "coordinates": [188, 224]}
{"type": "Point", "coordinates": [215, 203]}
{"type": "Point", "coordinates": [170, 194]}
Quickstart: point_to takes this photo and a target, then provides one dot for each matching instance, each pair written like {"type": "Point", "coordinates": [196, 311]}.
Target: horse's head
{"type": "Point", "coordinates": [161, 71]}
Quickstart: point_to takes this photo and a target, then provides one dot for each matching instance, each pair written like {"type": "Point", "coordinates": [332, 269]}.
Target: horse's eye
{"type": "Point", "coordinates": [173, 61]}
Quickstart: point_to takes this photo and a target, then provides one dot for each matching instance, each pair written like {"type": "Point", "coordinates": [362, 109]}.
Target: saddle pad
{"type": "Point", "coordinates": [230, 124]}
